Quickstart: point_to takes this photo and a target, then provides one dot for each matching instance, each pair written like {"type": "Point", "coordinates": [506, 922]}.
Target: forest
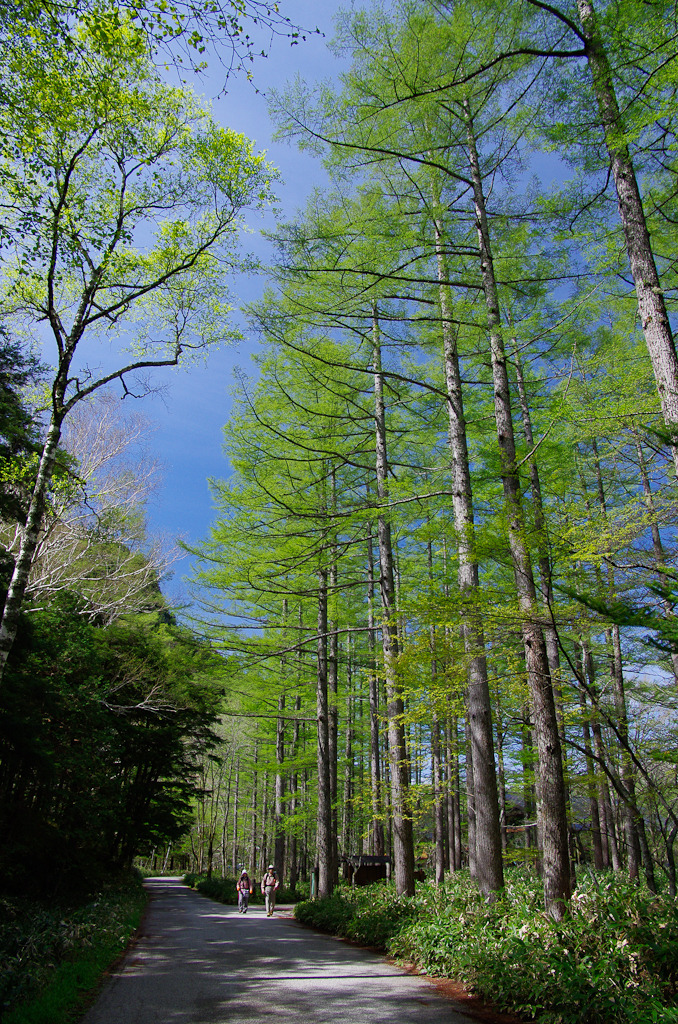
{"type": "Point", "coordinates": [441, 567]}
{"type": "Point", "coordinates": [434, 621]}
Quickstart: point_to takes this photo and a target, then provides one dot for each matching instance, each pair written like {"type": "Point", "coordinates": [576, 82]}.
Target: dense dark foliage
{"type": "Point", "coordinates": [18, 429]}
{"type": "Point", "coordinates": [52, 953]}
{"type": "Point", "coordinates": [100, 730]}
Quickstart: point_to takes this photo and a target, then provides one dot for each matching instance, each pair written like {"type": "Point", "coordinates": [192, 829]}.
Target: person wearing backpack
{"type": "Point", "coordinates": [269, 884]}
{"type": "Point", "coordinates": [245, 889]}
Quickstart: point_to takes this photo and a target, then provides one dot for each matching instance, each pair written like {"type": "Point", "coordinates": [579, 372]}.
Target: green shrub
{"type": "Point", "coordinates": [286, 895]}
{"type": "Point", "coordinates": [51, 957]}
{"type": "Point", "coordinates": [223, 890]}
{"type": "Point", "coordinates": [303, 889]}
{"type": "Point", "coordinates": [613, 959]}
{"type": "Point", "coordinates": [370, 915]}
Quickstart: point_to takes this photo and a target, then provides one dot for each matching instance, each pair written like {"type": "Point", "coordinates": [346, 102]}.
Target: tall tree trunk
{"type": "Point", "coordinates": [294, 753]}
{"type": "Point", "coordinates": [486, 833]}
{"type": "Point", "coordinates": [471, 804]}
{"type": "Point", "coordinates": [529, 792]}
{"type": "Point", "coordinates": [439, 816]}
{"type": "Point", "coordinates": [669, 841]}
{"type": "Point", "coordinates": [654, 318]}
{"type": "Point", "coordinates": [596, 838]}
{"type": "Point", "coordinates": [607, 824]}
{"type": "Point", "coordinates": [403, 843]}
{"type": "Point", "coordinates": [378, 845]}
{"type": "Point", "coordinates": [254, 808]}
{"type": "Point", "coordinates": [617, 679]}
{"type": "Point", "coordinates": [279, 784]}
{"type": "Point", "coordinates": [278, 811]}
{"type": "Point", "coordinates": [346, 818]}
{"type": "Point", "coordinates": [324, 819]}
{"type": "Point", "coordinates": [333, 697]}
{"type": "Point", "coordinates": [553, 808]}
{"type": "Point", "coordinates": [294, 790]}
{"type": "Point", "coordinates": [501, 773]}
{"type": "Point", "coordinates": [635, 826]}
{"type": "Point", "coordinates": [224, 826]}
{"type": "Point", "coordinates": [263, 843]}
{"type": "Point", "coordinates": [545, 575]}
{"type": "Point", "coordinates": [453, 791]}
{"type": "Point", "coordinates": [305, 855]}
{"type": "Point", "coordinates": [629, 782]}
{"type": "Point", "coordinates": [236, 800]}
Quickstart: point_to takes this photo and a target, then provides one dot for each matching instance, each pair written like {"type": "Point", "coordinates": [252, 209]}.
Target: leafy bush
{"type": "Point", "coordinates": [613, 959]}
{"type": "Point", "coordinates": [303, 888]}
{"type": "Point", "coordinates": [223, 890]}
{"type": "Point", "coordinates": [51, 956]}
{"type": "Point", "coordinates": [370, 915]}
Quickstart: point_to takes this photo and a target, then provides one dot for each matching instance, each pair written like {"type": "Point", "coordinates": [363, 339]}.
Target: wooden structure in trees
{"type": "Point", "coordinates": [366, 868]}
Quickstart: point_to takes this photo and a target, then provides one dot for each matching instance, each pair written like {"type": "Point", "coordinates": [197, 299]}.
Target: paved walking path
{"type": "Point", "coordinates": [198, 962]}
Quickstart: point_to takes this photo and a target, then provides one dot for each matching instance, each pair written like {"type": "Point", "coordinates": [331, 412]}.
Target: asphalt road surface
{"type": "Point", "coordinates": [198, 962]}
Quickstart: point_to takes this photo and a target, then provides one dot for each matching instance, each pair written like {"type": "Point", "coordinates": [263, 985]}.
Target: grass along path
{"type": "Point", "coordinates": [53, 957]}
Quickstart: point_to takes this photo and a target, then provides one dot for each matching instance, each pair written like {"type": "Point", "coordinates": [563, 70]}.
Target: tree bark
{"type": "Point", "coordinates": [453, 791]}
{"type": "Point", "coordinates": [654, 318]}
{"type": "Point", "coordinates": [254, 807]}
{"type": "Point", "coordinates": [486, 836]}
{"type": "Point", "coordinates": [234, 848]}
{"type": "Point", "coordinates": [439, 816]}
{"type": "Point", "coordinates": [545, 575]}
{"type": "Point", "coordinates": [617, 680]}
{"type": "Point", "coordinates": [557, 874]}
{"type": "Point", "coordinates": [324, 818]}
{"type": "Point", "coordinates": [279, 843]}
{"type": "Point", "coordinates": [596, 838]}
{"type": "Point", "coordinates": [378, 845]}
{"type": "Point", "coordinates": [294, 792]}
{"type": "Point", "coordinates": [346, 819]}
{"type": "Point", "coordinates": [403, 843]}
{"type": "Point", "coordinates": [263, 843]}
{"type": "Point", "coordinates": [501, 774]}
{"type": "Point", "coordinates": [333, 697]}
{"type": "Point", "coordinates": [607, 825]}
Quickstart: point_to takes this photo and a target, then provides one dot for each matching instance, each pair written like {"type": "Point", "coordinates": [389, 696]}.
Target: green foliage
{"type": "Point", "coordinates": [52, 955]}
{"type": "Point", "coordinates": [223, 890]}
{"type": "Point", "coordinates": [100, 734]}
{"type": "Point", "coordinates": [371, 915]}
{"type": "Point", "coordinates": [103, 138]}
{"type": "Point", "coordinates": [18, 429]}
{"type": "Point", "coordinates": [614, 957]}
{"type": "Point", "coordinates": [182, 32]}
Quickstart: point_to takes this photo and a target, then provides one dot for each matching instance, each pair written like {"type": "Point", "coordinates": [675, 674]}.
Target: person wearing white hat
{"type": "Point", "coordinates": [269, 884]}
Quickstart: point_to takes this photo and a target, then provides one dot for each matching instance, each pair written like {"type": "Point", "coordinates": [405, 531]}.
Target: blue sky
{"type": "Point", "coordinates": [196, 403]}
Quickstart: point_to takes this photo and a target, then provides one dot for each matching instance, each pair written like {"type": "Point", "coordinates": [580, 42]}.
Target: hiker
{"type": "Point", "coordinates": [269, 884]}
{"type": "Point", "coordinates": [245, 889]}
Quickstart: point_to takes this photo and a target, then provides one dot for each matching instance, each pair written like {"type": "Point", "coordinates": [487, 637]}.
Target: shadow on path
{"type": "Point", "coordinates": [198, 962]}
